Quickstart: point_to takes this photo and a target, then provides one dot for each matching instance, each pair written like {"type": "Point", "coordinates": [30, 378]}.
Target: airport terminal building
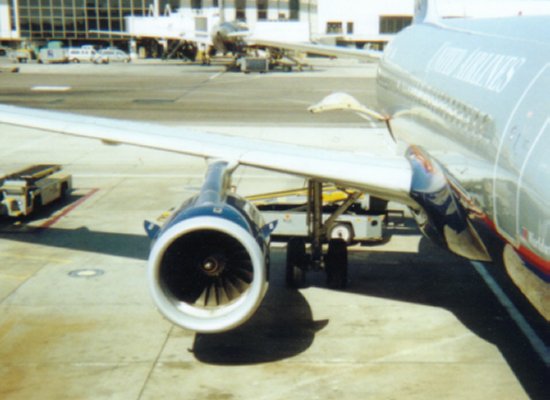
{"type": "Point", "coordinates": [348, 22]}
{"type": "Point", "coordinates": [77, 21]}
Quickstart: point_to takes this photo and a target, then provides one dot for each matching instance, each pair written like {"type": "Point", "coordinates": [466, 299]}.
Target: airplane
{"type": "Point", "coordinates": [225, 37]}
{"type": "Point", "coordinates": [467, 104]}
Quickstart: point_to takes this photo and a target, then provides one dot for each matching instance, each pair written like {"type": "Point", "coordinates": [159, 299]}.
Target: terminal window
{"type": "Point", "coordinates": [334, 27]}
{"type": "Point", "coordinates": [75, 19]}
{"type": "Point", "coordinates": [240, 10]}
{"type": "Point", "coordinates": [262, 9]}
{"type": "Point", "coordinates": [394, 24]}
{"type": "Point", "coordinates": [294, 8]}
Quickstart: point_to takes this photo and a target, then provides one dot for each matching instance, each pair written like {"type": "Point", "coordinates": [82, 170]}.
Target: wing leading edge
{"type": "Point", "coordinates": [385, 176]}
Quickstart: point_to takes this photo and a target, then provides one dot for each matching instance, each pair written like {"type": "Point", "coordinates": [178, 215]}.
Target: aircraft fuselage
{"type": "Point", "coordinates": [476, 99]}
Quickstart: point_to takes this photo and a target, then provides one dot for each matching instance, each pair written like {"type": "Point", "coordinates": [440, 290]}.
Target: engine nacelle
{"type": "Point", "coordinates": [208, 265]}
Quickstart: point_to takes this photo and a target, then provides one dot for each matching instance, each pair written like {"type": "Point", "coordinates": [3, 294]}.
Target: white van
{"type": "Point", "coordinates": [113, 55]}
{"type": "Point", "coordinates": [82, 54]}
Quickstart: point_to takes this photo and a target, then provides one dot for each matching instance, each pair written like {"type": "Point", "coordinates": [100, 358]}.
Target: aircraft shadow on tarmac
{"type": "Point", "coordinates": [436, 278]}
{"type": "Point", "coordinates": [284, 327]}
{"type": "Point", "coordinates": [264, 338]}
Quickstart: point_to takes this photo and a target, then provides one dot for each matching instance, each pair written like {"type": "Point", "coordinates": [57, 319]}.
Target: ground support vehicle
{"type": "Point", "coordinates": [51, 56]}
{"type": "Point", "coordinates": [25, 191]}
{"type": "Point", "coordinates": [289, 209]}
{"type": "Point", "coordinates": [249, 64]}
{"type": "Point", "coordinates": [21, 56]}
{"type": "Point", "coordinates": [321, 214]}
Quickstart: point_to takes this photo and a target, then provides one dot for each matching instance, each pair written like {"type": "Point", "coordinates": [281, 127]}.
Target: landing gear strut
{"type": "Point", "coordinates": [335, 261]}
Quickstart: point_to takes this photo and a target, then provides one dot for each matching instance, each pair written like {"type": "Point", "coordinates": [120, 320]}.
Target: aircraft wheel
{"type": "Point", "coordinates": [336, 264]}
{"type": "Point", "coordinates": [295, 263]}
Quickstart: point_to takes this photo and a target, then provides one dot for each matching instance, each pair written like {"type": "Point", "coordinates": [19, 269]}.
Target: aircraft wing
{"type": "Point", "coordinates": [385, 176]}
{"type": "Point", "coordinates": [323, 50]}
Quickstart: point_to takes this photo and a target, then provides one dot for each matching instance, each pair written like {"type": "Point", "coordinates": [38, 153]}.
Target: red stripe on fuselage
{"type": "Point", "coordinates": [535, 261]}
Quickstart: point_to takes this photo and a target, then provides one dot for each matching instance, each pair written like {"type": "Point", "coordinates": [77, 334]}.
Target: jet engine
{"type": "Point", "coordinates": [208, 267]}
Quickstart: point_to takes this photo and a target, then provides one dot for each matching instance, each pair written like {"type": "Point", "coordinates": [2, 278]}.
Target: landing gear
{"type": "Point", "coordinates": [296, 262]}
{"type": "Point", "coordinates": [335, 260]}
{"type": "Point", "coordinates": [336, 264]}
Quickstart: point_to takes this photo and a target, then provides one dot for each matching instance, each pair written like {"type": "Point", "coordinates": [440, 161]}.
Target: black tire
{"type": "Point", "coordinates": [336, 264]}
{"type": "Point", "coordinates": [38, 203]}
{"type": "Point", "coordinates": [295, 263]}
{"type": "Point", "coordinates": [64, 190]}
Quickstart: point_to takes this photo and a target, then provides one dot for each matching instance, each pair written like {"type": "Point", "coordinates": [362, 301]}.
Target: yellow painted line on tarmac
{"type": "Point", "coordinates": [14, 277]}
{"type": "Point", "coordinates": [19, 256]}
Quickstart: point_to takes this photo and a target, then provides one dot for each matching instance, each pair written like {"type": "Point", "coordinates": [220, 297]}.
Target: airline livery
{"type": "Point", "coordinates": [467, 100]}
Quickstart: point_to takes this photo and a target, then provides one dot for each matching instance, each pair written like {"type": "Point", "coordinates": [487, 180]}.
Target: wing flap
{"type": "Point", "coordinates": [384, 176]}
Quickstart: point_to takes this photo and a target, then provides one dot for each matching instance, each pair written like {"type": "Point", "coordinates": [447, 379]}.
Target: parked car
{"type": "Point", "coordinates": [113, 55]}
{"type": "Point", "coordinates": [3, 51]}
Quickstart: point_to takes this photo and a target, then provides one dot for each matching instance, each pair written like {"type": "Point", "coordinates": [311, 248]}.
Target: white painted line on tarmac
{"type": "Point", "coordinates": [46, 88]}
{"type": "Point", "coordinates": [536, 342]}
{"type": "Point", "coordinates": [215, 76]}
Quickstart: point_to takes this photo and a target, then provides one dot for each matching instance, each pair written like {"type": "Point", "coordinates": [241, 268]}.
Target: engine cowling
{"type": "Point", "coordinates": [208, 265]}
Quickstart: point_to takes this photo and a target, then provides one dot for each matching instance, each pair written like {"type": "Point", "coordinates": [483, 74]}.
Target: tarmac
{"type": "Point", "coordinates": [76, 319]}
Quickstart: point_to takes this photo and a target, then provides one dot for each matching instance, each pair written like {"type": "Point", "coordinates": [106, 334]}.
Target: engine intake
{"type": "Point", "coordinates": [207, 274]}
{"type": "Point", "coordinates": [208, 265]}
